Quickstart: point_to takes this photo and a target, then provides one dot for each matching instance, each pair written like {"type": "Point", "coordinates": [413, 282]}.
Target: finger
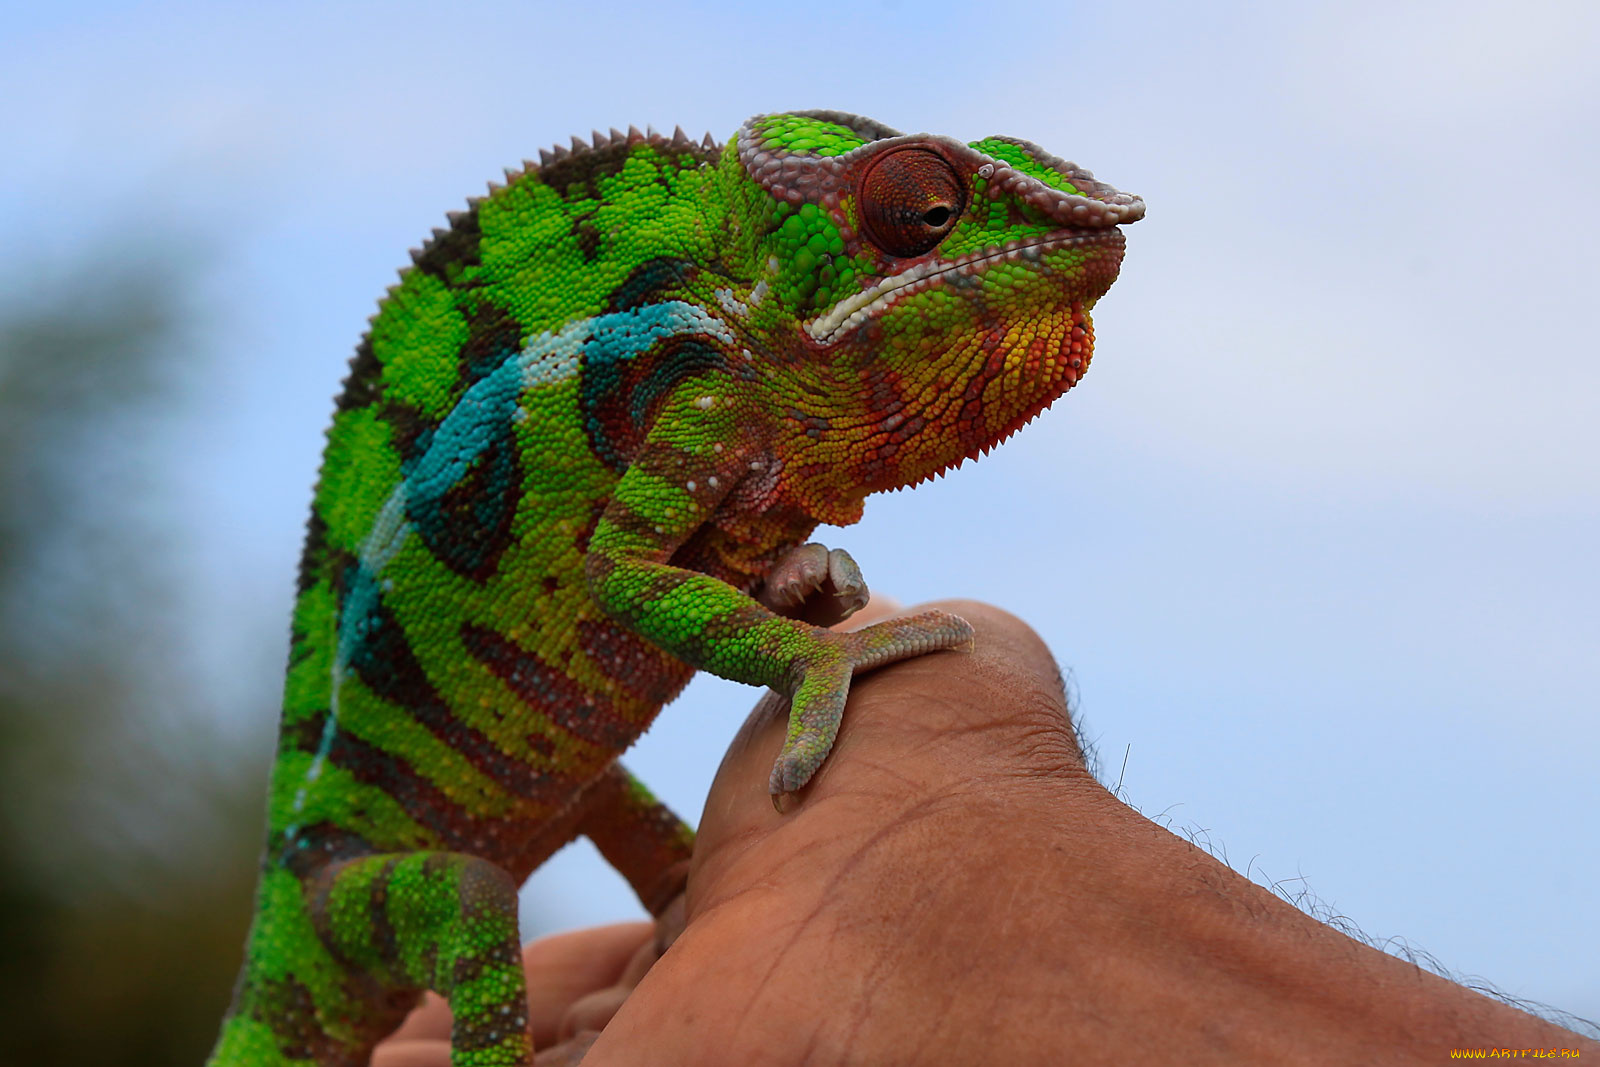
{"type": "Point", "coordinates": [568, 1053]}
{"type": "Point", "coordinates": [430, 1021]}
{"type": "Point", "coordinates": [403, 1052]}
{"type": "Point", "coordinates": [994, 717]}
{"type": "Point", "coordinates": [937, 741]}
{"type": "Point", "coordinates": [564, 968]}
{"type": "Point", "coordinates": [593, 1010]}
{"type": "Point", "coordinates": [561, 969]}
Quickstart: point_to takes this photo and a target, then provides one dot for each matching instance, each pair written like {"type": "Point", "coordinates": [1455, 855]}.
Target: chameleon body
{"type": "Point", "coordinates": [604, 407]}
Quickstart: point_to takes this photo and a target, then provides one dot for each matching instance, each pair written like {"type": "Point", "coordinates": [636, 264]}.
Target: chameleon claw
{"type": "Point", "coordinates": [798, 762]}
{"type": "Point", "coordinates": [850, 588]}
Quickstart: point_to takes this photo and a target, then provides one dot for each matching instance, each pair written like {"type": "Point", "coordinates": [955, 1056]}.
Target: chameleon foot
{"type": "Point", "coordinates": [817, 704]}
{"type": "Point", "coordinates": [821, 585]}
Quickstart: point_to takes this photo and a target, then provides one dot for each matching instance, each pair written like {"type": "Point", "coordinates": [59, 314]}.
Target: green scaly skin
{"type": "Point", "coordinates": [604, 407]}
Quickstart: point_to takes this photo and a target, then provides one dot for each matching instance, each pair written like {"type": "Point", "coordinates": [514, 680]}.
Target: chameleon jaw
{"type": "Point", "coordinates": [857, 308]}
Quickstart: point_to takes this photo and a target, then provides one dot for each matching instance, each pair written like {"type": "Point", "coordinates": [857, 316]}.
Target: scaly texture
{"type": "Point", "coordinates": [613, 397]}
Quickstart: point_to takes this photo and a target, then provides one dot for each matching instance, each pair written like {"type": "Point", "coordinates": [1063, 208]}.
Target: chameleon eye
{"type": "Point", "coordinates": [909, 199]}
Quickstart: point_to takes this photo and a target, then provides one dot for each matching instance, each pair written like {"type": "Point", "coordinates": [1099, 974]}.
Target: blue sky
{"type": "Point", "coordinates": [1316, 536]}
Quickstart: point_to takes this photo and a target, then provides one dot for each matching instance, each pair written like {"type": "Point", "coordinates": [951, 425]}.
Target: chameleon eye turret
{"type": "Point", "coordinates": [578, 456]}
{"type": "Point", "coordinates": [910, 199]}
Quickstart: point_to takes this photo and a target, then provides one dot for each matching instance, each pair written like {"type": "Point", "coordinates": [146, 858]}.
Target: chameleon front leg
{"type": "Point", "coordinates": [672, 488]}
{"type": "Point", "coordinates": [436, 920]}
{"type": "Point", "coordinates": [639, 835]}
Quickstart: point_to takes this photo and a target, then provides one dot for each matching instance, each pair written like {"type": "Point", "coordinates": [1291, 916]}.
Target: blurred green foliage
{"type": "Point", "coordinates": [130, 810]}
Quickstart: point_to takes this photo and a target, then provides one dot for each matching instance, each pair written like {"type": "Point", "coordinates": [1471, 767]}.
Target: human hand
{"type": "Point", "coordinates": [956, 888]}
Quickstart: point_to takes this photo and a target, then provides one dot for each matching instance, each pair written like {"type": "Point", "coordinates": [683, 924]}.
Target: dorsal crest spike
{"type": "Point", "coordinates": [600, 140]}
{"type": "Point", "coordinates": [634, 136]}
{"type": "Point", "coordinates": [617, 135]}
{"type": "Point", "coordinates": [578, 145]}
{"type": "Point", "coordinates": [708, 142]}
{"type": "Point", "coordinates": [680, 139]}
{"type": "Point", "coordinates": [558, 153]}
{"type": "Point", "coordinates": [455, 218]}
{"type": "Point", "coordinates": [529, 166]}
{"type": "Point", "coordinates": [545, 158]}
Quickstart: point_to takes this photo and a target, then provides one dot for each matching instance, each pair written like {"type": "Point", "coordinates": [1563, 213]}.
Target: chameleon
{"type": "Point", "coordinates": [578, 455]}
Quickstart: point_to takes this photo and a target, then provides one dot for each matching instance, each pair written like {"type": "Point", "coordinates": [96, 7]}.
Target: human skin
{"type": "Point", "coordinates": [957, 888]}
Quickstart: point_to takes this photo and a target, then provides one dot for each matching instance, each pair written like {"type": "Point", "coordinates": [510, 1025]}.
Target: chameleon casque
{"type": "Point", "coordinates": [577, 457]}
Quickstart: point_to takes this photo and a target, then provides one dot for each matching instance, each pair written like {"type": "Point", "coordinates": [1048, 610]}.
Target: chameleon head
{"type": "Point", "coordinates": [938, 293]}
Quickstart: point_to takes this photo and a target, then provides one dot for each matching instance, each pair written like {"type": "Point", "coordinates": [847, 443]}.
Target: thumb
{"type": "Point", "coordinates": [976, 733]}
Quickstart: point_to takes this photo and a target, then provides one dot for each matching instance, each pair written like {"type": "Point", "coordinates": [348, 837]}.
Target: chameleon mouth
{"type": "Point", "coordinates": [857, 308]}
